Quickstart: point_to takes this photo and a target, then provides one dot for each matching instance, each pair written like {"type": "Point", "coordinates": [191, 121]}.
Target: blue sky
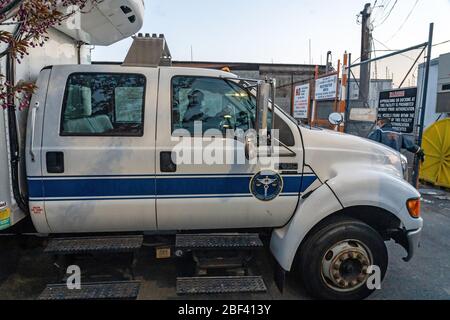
{"type": "Point", "coordinates": [279, 30]}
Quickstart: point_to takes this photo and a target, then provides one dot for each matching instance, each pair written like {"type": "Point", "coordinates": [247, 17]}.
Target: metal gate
{"type": "Point", "coordinates": [378, 87]}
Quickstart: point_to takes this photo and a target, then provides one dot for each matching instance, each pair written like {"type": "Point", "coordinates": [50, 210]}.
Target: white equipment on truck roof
{"type": "Point", "coordinates": [105, 23]}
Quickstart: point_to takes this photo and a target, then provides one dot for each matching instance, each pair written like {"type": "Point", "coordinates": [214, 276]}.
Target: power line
{"type": "Point", "coordinates": [406, 20]}
{"type": "Point", "coordinates": [443, 42]}
{"type": "Point", "coordinates": [380, 12]}
{"type": "Point", "coordinates": [376, 62]}
{"type": "Point", "coordinates": [389, 14]}
{"type": "Point", "coordinates": [404, 55]}
{"type": "Point", "coordinates": [385, 50]}
{"type": "Point", "coordinates": [381, 6]}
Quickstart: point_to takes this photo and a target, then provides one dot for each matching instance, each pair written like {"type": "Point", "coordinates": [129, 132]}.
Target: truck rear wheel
{"type": "Point", "coordinates": [334, 260]}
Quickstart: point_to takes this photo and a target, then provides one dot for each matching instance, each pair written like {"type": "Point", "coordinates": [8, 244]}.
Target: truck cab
{"type": "Point", "coordinates": [115, 148]}
{"type": "Point", "coordinates": [104, 139]}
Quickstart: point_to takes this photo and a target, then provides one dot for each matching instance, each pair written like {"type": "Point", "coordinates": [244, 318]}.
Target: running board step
{"type": "Point", "coordinates": [215, 285]}
{"type": "Point", "coordinates": [120, 244]}
{"type": "Point", "coordinates": [125, 290]}
{"type": "Point", "coordinates": [217, 241]}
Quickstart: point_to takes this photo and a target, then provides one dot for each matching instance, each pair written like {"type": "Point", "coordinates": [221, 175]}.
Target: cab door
{"type": "Point", "coordinates": [98, 169]}
{"type": "Point", "coordinates": [196, 192]}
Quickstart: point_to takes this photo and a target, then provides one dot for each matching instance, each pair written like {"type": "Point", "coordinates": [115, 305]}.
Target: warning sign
{"type": "Point", "coordinates": [400, 107]}
{"type": "Point", "coordinates": [301, 101]}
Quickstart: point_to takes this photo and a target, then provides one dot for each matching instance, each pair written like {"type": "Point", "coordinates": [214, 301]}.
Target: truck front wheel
{"type": "Point", "coordinates": [334, 261]}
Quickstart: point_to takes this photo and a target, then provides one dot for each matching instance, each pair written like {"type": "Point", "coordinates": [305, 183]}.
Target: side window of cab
{"type": "Point", "coordinates": [217, 104]}
{"type": "Point", "coordinates": [103, 104]}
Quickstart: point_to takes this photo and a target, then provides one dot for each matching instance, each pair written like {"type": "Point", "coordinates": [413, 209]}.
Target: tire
{"type": "Point", "coordinates": [320, 256]}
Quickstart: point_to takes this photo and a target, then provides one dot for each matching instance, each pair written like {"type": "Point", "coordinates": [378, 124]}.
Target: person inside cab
{"type": "Point", "coordinates": [194, 110]}
{"type": "Point", "coordinates": [390, 137]}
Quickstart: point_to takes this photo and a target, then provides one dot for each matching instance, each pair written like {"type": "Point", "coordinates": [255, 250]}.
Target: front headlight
{"type": "Point", "coordinates": [404, 162]}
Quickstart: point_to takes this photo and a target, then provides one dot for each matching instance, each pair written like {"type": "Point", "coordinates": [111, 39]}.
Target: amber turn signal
{"type": "Point", "coordinates": [414, 207]}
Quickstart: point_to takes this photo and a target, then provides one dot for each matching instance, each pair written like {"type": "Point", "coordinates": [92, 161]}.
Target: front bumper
{"type": "Point", "coordinates": [409, 240]}
{"type": "Point", "coordinates": [413, 240]}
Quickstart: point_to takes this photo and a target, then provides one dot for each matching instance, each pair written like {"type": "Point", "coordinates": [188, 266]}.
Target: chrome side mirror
{"type": "Point", "coordinates": [265, 97]}
{"type": "Point", "coordinates": [336, 119]}
{"type": "Point", "coordinates": [262, 105]}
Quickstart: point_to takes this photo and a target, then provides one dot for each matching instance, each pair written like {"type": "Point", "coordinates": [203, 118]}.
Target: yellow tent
{"type": "Point", "coordinates": [436, 144]}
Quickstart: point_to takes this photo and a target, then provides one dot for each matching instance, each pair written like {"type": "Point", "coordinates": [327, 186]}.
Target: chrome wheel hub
{"type": "Point", "coordinates": [344, 266]}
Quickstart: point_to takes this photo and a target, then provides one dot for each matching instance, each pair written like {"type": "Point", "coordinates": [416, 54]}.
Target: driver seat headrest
{"type": "Point", "coordinates": [79, 102]}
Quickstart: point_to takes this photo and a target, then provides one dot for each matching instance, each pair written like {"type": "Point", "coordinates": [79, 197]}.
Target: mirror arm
{"type": "Point", "coordinates": [293, 153]}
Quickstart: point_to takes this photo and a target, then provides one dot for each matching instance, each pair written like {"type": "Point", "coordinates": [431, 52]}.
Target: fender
{"type": "Point", "coordinates": [285, 241]}
{"type": "Point", "coordinates": [377, 189]}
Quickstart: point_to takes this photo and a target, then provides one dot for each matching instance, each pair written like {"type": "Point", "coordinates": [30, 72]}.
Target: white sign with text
{"type": "Point", "coordinates": [326, 88]}
{"type": "Point", "coordinates": [301, 101]}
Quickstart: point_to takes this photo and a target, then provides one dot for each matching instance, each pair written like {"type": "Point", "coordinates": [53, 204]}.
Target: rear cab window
{"type": "Point", "coordinates": [103, 104]}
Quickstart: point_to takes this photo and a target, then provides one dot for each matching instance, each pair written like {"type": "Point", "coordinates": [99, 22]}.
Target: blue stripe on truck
{"type": "Point", "coordinates": [145, 187]}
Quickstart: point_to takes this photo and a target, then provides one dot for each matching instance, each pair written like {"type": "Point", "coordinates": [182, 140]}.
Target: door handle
{"type": "Point", "coordinates": [55, 162]}
{"type": "Point", "coordinates": [167, 165]}
{"type": "Point", "coordinates": [33, 129]}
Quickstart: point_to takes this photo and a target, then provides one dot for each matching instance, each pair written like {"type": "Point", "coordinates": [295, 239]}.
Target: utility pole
{"type": "Point", "coordinates": [366, 49]}
{"type": "Point", "coordinates": [424, 103]}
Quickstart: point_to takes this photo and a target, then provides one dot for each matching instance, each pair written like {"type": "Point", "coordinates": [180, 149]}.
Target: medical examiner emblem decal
{"type": "Point", "coordinates": [266, 185]}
